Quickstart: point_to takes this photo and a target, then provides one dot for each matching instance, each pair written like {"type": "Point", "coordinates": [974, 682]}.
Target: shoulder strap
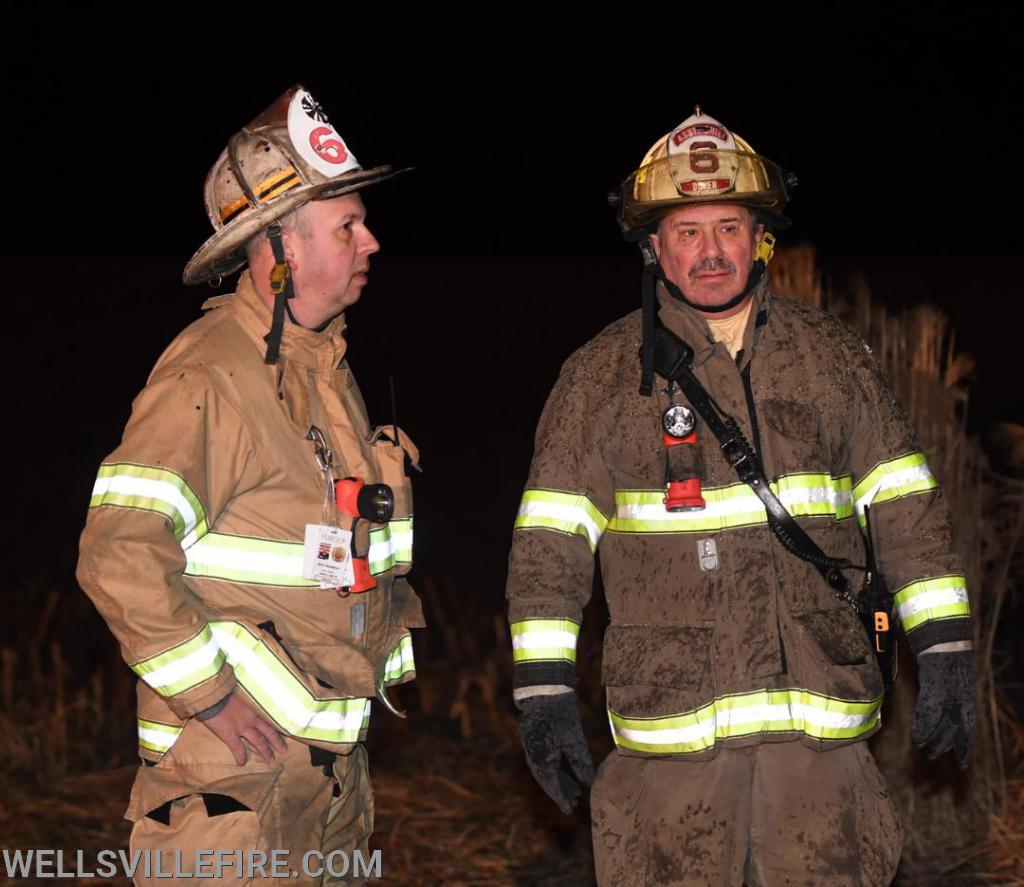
{"type": "Point", "coordinates": [673, 361]}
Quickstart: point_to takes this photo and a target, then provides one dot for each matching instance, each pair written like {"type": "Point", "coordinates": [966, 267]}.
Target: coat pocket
{"type": "Point", "coordinates": [835, 656]}
{"type": "Point", "coordinates": [793, 436]}
{"type": "Point", "coordinates": [654, 671]}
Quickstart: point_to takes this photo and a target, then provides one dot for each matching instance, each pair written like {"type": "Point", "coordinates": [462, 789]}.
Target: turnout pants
{"type": "Point", "coordinates": [775, 813]}
{"type": "Point", "coordinates": [197, 798]}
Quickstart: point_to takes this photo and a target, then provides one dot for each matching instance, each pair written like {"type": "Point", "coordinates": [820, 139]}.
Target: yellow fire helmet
{"type": "Point", "coordinates": [700, 161]}
{"type": "Point", "coordinates": [290, 154]}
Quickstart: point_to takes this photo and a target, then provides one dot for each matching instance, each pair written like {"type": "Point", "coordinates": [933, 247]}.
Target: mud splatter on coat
{"type": "Point", "coordinates": [752, 646]}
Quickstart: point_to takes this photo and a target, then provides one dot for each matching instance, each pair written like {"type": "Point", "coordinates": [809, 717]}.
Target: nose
{"type": "Point", "coordinates": [711, 248]}
{"type": "Point", "coordinates": [370, 244]}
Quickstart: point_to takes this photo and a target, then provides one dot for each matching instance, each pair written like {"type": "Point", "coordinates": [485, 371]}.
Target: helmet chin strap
{"type": "Point", "coordinates": [653, 272]}
{"type": "Point", "coordinates": [283, 288]}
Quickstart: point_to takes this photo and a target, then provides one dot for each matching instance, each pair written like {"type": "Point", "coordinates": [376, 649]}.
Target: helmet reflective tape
{"type": "Point", "coordinates": [265, 191]}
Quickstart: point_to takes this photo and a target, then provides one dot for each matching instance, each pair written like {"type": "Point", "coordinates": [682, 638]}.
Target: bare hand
{"type": "Point", "coordinates": [237, 721]}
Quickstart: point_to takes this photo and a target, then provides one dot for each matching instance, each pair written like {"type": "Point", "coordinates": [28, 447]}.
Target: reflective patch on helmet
{"type": "Point", "coordinates": [699, 131]}
{"type": "Point", "coordinates": [315, 140]}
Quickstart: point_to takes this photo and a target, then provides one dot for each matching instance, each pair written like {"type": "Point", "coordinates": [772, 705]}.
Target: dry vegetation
{"type": "Point", "coordinates": [455, 802]}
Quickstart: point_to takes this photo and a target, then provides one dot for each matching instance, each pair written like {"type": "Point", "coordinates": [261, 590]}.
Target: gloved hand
{"type": "Point", "coordinates": [945, 718]}
{"type": "Point", "coordinates": [550, 727]}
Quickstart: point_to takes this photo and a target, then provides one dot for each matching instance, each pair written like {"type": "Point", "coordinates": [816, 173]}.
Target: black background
{"type": "Point", "coordinates": [500, 255]}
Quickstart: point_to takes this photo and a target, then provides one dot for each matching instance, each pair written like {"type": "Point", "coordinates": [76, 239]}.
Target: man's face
{"type": "Point", "coordinates": [707, 250]}
{"type": "Point", "coordinates": [330, 258]}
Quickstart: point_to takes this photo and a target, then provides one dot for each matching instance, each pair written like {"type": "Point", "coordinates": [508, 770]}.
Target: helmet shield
{"type": "Point", "coordinates": [704, 175]}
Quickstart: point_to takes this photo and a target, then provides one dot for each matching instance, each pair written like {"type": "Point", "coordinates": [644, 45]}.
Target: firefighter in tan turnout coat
{"type": "Point", "coordinates": [740, 690]}
{"type": "Point", "coordinates": [210, 520]}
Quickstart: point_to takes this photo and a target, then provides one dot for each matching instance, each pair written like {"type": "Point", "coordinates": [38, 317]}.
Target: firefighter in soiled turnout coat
{"type": "Point", "coordinates": [259, 596]}
{"type": "Point", "coordinates": [740, 686]}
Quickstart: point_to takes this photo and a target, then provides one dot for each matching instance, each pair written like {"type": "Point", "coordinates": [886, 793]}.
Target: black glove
{"type": "Point", "coordinates": [550, 727]}
{"type": "Point", "coordinates": [945, 717]}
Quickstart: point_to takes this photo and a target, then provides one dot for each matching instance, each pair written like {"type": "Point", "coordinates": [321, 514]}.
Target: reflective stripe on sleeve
{"type": "Point", "coordinates": [735, 505]}
{"type": "Point", "coordinates": [283, 696]}
{"type": "Point", "coordinates": [157, 737]}
{"type": "Point", "coordinates": [893, 479]}
{"type": "Point", "coordinates": [126, 485]}
{"type": "Point", "coordinates": [400, 662]}
{"type": "Point", "coordinates": [763, 711]}
{"type": "Point", "coordinates": [571, 513]}
{"type": "Point", "coordinates": [535, 640]}
{"type": "Point", "coordinates": [928, 599]}
{"type": "Point", "coordinates": [189, 663]}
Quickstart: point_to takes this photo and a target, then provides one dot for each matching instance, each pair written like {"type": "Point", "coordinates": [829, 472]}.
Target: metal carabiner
{"type": "Point", "coordinates": [324, 456]}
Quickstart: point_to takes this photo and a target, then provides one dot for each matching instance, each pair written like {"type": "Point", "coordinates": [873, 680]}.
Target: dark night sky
{"type": "Point", "coordinates": [500, 255]}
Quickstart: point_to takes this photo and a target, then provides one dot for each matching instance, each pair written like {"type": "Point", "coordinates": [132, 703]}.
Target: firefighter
{"type": "Point", "coordinates": [247, 542]}
{"type": "Point", "coordinates": [741, 682]}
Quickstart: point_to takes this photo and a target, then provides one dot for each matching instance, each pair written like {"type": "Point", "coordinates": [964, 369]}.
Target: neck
{"type": "Point", "coordinates": [732, 312]}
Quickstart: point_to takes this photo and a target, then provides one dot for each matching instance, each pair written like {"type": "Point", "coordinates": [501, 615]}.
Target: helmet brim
{"type": "Point", "coordinates": [223, 253]}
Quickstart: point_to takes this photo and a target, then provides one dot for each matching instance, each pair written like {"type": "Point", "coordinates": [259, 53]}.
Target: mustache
{"type": "Point", "coordinates": [711, 265]}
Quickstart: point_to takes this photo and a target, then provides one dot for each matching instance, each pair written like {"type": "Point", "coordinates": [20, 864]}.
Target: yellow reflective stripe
{"type": "Point", "coordinates": [735, 505]}
{"type": "Point", "coordinates": [156, 736]}
{"type": "Point", "coordinates": [283, 696]}
{"type": "Point", "coordinates": [893, 479]}
{"type": "Point", "coordinates": [401, 539]}
{"type": "Point", "coordinates": [127, 485]}
{"type": "Point", "coordinates": [390, 545]}
{"type": "Point", "coordinates": [571, 513]}
{"type": "Point", "coordinates": [744, 714]}
{"type": "Point", "coordinates": [183, 666]}
{"type": "Point", "coordinates": [400, 662]}
{"type": "Point", "coordinates": [247, 559]}
{"type": "Point", "coordinates": [252, 560]}
{"type": "Point", "coordinates": [534, 640]}
{"type": "Point", "coordinates": [942, 598]}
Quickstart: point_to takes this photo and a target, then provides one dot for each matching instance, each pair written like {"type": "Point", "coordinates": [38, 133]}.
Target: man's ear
{"type": "Point", "coordinates": [653, 237]}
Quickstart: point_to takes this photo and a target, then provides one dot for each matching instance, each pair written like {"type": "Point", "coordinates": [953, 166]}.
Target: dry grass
{"type": "Point", "coordinates": [455, 803]}
{"type": "Point", "coordinates": [961, 829]}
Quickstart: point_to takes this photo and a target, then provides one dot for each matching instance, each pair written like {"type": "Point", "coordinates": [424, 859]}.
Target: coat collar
{"type": "Point", "coordinates": [317, 350]}
{"type": "Point", "coordinates": [693, 329]}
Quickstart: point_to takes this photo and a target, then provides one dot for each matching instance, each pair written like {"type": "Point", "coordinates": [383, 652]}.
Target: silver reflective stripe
{"type": "Point", "coordinates": [286, 699]}
{"type": "Point", "coordinates": [571, 513]}
{"type": "Point", "coordinates": [734, 505]}
{"type": "Point", "coordinates": [400, 662]}
{"type": "Point", "coordinates": [145, 487]}
{"type": "Point", "coordinates": [247, 559]}
{"type": "Point", "coordinates": [743, 714]}
{"type": "Point", "coordinates": [156, 736]}
{"type": "Point", "coordinates": [390, 545]}
{"type": "Point", "coordinates": [893, 479]}
{"type": "Point", "coordinates": [183, 666]}
{"type": "Point", "coordinates": [535, 640]}
{"type": "Point", "coordinates": [928, 599]}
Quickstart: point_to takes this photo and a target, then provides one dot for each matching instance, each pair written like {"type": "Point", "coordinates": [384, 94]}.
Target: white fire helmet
{"type": "Point", "coordinates": [290, 154]}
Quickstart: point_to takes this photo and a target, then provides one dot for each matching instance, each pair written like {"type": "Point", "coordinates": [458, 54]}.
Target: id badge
{"type": "Point", "coordinates": [327, 556]}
